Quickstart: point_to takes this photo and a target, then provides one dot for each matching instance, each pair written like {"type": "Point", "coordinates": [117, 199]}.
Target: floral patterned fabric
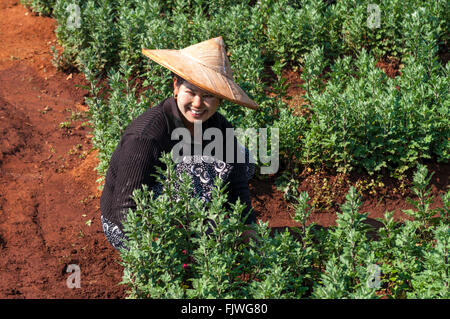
{"type": "Point", "coordinates": [203, 170]}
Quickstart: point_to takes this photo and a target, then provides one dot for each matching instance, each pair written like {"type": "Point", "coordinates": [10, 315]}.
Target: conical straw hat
{"type": "Point", "coordinates": [205, 65]}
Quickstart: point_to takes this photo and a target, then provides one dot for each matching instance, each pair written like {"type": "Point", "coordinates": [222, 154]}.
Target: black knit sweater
{"type": "Point", "coordinates": [137, 155]}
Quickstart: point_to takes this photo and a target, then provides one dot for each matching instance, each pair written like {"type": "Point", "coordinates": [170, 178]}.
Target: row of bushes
{"type": "Point", "coordinates": [362, 118]}
{"type": "Point", "coordinates": [175, 253]}
{"type": "Point", "coordinates": [284, 30]}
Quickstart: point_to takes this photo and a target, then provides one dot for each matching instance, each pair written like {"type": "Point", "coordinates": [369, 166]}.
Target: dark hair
{"type": "Point", "coordinates": [180, 80]}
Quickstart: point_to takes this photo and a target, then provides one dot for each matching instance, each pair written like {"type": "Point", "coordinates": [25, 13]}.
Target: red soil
{"type": "Point", "coordinates": [49, 202]}
{"type": "Point", "coordinates": [47, 193]}
{"type": "Point", "coordinates": [391, 66]}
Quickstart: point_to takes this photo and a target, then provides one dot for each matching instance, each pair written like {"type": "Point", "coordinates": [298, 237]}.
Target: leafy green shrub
{"type": "Point", "coordinates": [433, 280]}
{"type": "Point", "coordinates": [407, 250]}
{"type": "Point", "coordinates": [174, 252]}
{"type": "Point", "coordinates": [364, 119]}
{"type": "Point", "coordinates": [87, 31]}
{"type": "Point", "coordinates": [355, 24]}
{"type": "Point", "coordinates": [291, 127]}
{"type": "Point", "coordinates": [292, 31]}
{"type": "Point", "coordinates": [111, 115]}
{"type": "Point", "coordinates": [43, 7]}
{"type": "Point", "coordinates": [349, 255]}
{"type": "Point", "coordinates": [282, 30]}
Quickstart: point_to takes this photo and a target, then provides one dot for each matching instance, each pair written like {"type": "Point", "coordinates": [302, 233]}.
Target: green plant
{"type": "Point", "coordinates": [176, 252]}
{"type": "Point", "coordinates": [422, 213]}
{"type": "Point", "coordinates": [66, 124]}
{"type": "Point", "coordinates": [182, 247]}
{"type": "Point", "coordinates": [43, 7]}
{"type": "Point", "coordinates": [291, 32]}
{"type": "Point", "coordinates": [362, 118]}
{"type": "Point", "coordinates": [407, 249]}
{"type": "Point", "coordinates": [346, 272]}
{"type": "Point", "coordinates": [433, 280]}
{"type": "Point", "coordinates": [288, 184]}
{"type": "Point", "coordinates": [110, 116]}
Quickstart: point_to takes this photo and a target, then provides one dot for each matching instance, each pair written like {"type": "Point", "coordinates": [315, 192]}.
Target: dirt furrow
{"type": "Point", "coordinates": [49, 202]}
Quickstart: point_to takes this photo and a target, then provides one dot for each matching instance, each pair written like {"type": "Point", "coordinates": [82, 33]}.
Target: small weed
{"type": "Point", "coordinates": [65, 125]}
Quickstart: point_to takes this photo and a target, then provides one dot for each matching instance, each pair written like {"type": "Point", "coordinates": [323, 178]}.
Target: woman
{"type": "Point", "coordinates": [202, 78]}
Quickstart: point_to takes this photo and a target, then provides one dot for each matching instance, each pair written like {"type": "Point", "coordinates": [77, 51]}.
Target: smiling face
{"type": "Point", "coordinates": [194, 103]}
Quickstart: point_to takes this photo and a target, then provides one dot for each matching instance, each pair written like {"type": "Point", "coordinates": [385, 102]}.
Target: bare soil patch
{"type": "Point", "coordinates": [48, 193]}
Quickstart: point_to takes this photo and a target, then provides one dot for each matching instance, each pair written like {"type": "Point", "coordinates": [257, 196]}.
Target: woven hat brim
{"type": "Point", "coordinates": [201, 76]}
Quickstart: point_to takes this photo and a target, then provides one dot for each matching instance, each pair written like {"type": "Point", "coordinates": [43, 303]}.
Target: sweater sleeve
{"type": "Point", "coordinates": [136, 162]}
{"type": "Point", "coordinates": [239, 187]}
{"type": "Point", "coordinates": [240, 175]}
